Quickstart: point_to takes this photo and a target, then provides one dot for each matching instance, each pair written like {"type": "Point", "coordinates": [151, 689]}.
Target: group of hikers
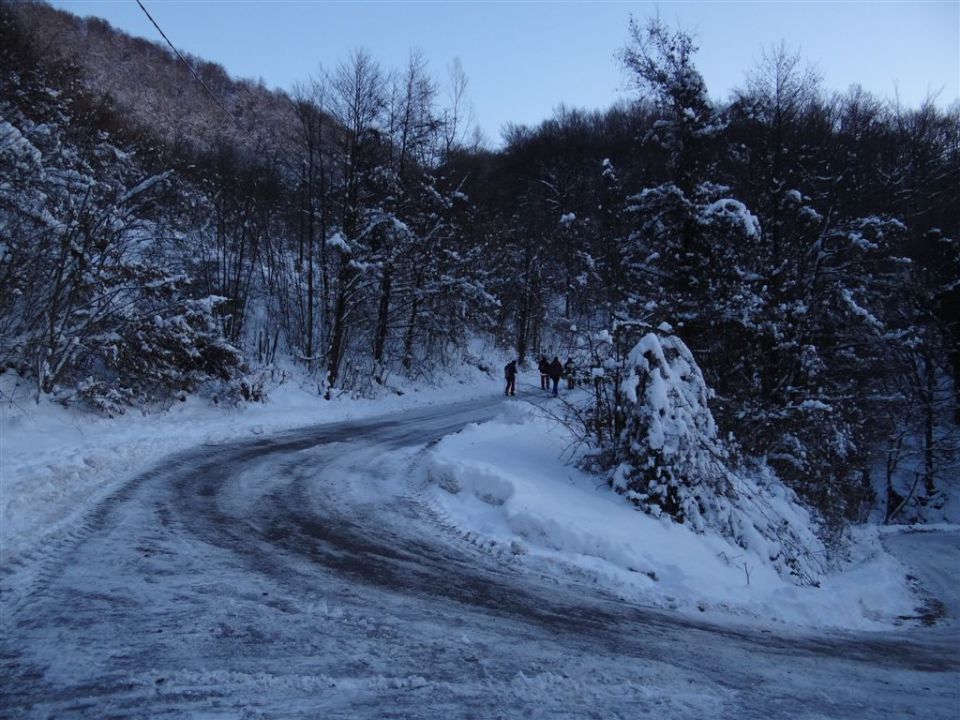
{"type": "Point", "coordinates": [550, 372]}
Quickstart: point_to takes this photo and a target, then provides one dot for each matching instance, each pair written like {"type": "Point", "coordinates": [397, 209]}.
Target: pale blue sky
{"type": "Point", "coordinates": [525, 58]}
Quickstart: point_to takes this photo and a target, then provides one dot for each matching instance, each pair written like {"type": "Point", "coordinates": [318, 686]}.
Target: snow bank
{"type": "Point", "coordinates": [505, 482]}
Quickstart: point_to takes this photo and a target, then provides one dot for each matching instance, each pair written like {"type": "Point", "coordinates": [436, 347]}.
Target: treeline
{"type": "Point", "coordinates": [156, 238]}
{"type": "Point", "coordinates": [152, 89]}
{"type": "Point", "coordinates": [803, 245]}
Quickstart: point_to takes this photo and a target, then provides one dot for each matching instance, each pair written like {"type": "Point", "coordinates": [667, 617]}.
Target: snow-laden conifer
{"type": "Point", "coordinates": [673, 463]}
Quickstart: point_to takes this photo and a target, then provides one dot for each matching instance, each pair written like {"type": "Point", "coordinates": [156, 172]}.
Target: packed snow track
{"type": "Point", "coordinates": [305, 575]}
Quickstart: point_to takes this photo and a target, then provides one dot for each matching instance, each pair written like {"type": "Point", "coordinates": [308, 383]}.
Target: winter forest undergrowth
{"type": "Point", "coordinates": [760, 295]}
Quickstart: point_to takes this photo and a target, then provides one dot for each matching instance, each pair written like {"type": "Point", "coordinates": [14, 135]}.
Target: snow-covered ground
{"type": "Point", "coordinates": [55, 463]}
{"type": "Point", "coordinates": [358, 570]}
{"type": "Point", "coordinates": [506, 482]}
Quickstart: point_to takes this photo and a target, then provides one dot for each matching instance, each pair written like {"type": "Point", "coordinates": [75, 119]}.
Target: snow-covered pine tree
{"type": "Point", "coordinates": [673, 463]}
{"type": "Point", "coordinates": [671, 460]}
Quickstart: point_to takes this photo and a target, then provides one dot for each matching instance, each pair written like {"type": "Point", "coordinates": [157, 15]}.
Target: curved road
{"type": "Point", "coordinates": [304, 576]}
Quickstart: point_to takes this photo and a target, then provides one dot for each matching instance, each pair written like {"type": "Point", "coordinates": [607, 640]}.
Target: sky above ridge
{"type": "Point", "coordinates": [523, 59]}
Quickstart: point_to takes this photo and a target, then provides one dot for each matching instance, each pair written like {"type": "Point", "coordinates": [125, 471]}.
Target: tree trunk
{"type": "Point", "coordinates": [956, 380]}
{"type": "Point", "coordinates": [412, 324]}
{"type": "Point", "coordinates": [383, 312]}
{"type": "Point", "coordinates": [339, 330]}
{"type": "Point", "coordinates": [310, 240]}
{"type": "Point", "coordinates": [929, 420]}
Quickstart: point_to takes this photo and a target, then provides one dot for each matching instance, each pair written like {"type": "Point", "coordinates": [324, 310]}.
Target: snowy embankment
{"type": "Point", "coordinates": [505, 482]}
{"type": "Point", "coordinates": [56, 463]}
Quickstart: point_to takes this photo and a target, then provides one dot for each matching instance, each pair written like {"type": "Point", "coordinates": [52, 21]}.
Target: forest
{"type": "Point", "coordinates": [166, 229]}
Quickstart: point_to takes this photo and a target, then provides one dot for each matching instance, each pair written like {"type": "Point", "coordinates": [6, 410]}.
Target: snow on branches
{"type": "Point", "coordinates": [672, 463]}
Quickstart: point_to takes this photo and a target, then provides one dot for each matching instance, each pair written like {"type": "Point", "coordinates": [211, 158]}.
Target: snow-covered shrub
{"type": "Point", "coordinates": [103, 396]}
{"type": "Point", "coordinates": [673, 463]}
{"type": "Point", "coordinates": [93, 303]}
{"type": "Point", "coordinates": [176, 352]}
{"type": "Point", "coordinates": [670, 455]}
{"type": "Point", "coordinates": [157, 357]}
{"type": "Point", "coordinates": [253, 387]}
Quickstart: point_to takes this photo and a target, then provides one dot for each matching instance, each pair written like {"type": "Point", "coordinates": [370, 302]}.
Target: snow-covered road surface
{"type": "Point", "coordinates": [304, 576]}
{"type": "Point", "coordinates": [933, 557]}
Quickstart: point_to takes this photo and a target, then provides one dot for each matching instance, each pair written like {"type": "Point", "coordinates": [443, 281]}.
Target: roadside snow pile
{"type": "Point", "coordinates": [505, 482]}
{"type": "Point", "coordinates": [673, 463]}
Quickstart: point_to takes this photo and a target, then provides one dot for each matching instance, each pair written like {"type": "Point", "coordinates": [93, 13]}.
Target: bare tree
{"type": "Point", "coordinates": [358, 101]}
{"type": "Point", "coordinates": [458, 115]}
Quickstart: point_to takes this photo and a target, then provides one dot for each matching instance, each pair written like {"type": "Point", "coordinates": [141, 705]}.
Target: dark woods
{"type": "Point", "coordinates": [803, 245]}
{"type": "Point", "coordinates": [318, 226]}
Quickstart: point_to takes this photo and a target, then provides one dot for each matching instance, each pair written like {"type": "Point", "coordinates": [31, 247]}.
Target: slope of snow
{"type": "Point", "coordinates": [506, 481]}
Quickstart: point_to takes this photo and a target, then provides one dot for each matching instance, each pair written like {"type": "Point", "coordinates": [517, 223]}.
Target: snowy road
{"type": "Point", "coordinates": [304, 576]}
{"type": "Point", "coordinates": [934, 560]}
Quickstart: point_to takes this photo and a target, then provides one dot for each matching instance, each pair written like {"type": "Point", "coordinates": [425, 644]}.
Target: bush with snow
{"type": "Point", "coordinates": [672, 462]}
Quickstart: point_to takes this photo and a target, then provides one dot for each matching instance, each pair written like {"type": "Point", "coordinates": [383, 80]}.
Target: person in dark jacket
{"type": "Point", "coordinates": [569, 370]}
{"type": "Point", "coordinates": [510, 373]}
{"type": "Point", "coordinates": [556, 372]}
{"type": "Point", "coordinates": [544, 368]}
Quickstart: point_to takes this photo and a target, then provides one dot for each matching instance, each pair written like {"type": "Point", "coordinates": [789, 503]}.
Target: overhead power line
{"type": "Point", "coordinates": [188, 65]}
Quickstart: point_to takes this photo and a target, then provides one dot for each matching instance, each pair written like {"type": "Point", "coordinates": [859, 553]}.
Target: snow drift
{"type": "Point", "coordinates": [503, 486]}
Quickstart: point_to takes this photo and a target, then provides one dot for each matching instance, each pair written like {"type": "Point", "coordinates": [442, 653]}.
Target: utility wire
{"type": "Point", "coordinates": [189, 67]}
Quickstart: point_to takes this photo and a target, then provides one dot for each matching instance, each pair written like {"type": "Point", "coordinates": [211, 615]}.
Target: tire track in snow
{"type": "Point", "coordinates": [250, 544]}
